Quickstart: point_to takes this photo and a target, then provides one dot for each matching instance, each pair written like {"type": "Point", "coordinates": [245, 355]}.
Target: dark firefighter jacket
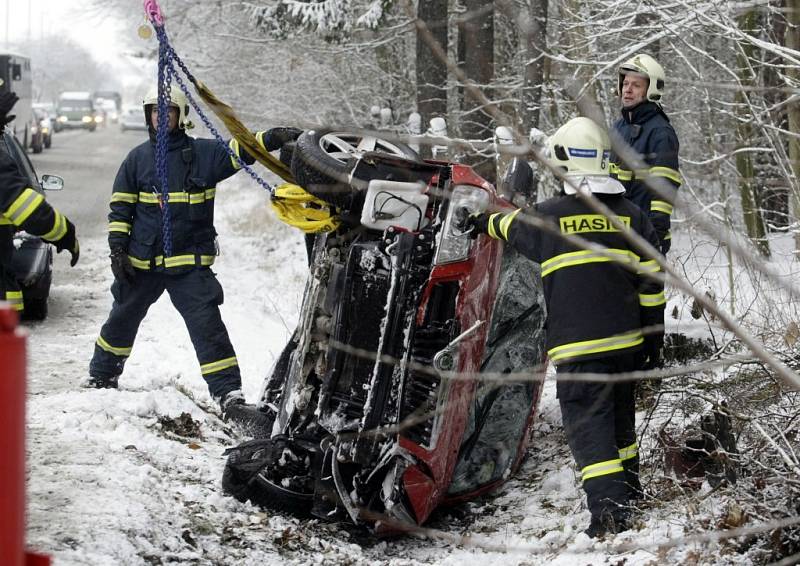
{"type": "Point", "coordinates": [194, 167]}
{"type": "Point", "coordinates": [23, 208]}
{"type": "Point", "coordinates": [647, 130]}
{"type": "Point", "coordinates": [596, 306]}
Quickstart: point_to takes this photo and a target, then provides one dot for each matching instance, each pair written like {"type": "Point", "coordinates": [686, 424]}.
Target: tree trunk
{"type": "Point", "coordinates": [792, 39]}
{"type": "Point", "coordinates": [534, 37]}
{"type": "Point", "coordinates": [431, 70]}
{"type": "Point", "coordinates": [478, 46]}
{"type": "Point", "coordinates": [753, 220]}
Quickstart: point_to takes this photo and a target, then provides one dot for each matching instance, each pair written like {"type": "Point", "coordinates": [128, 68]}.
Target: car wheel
{"type": "Point", "coordinates": [323, 161]}
{"type": "Point", "coordinates": [37, 148]}
{"type": "Point", "coordinates": [35, 309]}
{"type": "Point", "coordinates": [247, 477]}
{"type": "Point", "coordinates": [48, 141]}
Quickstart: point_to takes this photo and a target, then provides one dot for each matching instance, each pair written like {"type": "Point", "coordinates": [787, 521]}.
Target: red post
{"type": "Point", "coordinates": [12, 439]}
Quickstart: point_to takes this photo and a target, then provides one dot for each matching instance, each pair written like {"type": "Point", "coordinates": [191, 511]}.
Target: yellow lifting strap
{"type": "Point", "coordinates": [244, 136]}
{"type": "Point", "coordinates": [300, 209]}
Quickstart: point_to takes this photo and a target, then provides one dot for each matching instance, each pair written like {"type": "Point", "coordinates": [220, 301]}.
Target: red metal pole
{"type": "Point", "coordinates": [12, 439]}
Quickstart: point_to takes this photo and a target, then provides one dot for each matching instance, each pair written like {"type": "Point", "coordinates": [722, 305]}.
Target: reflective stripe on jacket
{"type": "Point", "coordinates": [597, 302]}
{"type": "Point", "coordinates": [24, 208]}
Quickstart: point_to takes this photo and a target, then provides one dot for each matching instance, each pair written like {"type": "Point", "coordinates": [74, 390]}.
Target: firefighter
{"type": "Point", "coordinates": [603, 311]}
{"type": "Point", "coordinates": [23, 208]}
{"type": "Point", "coordinates": [645, 127]}
{"type": "Point", "coordinates": [139, 222]}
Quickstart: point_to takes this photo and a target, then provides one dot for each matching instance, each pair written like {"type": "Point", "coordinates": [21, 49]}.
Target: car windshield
{"type": "Point", "coordinates": [69, 105]}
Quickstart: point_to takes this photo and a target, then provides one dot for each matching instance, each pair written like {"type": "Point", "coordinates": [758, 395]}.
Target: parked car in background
{"type": "Point", "coordinates": [32, 262]}
{"type": "Point", "coordinates": [132, 119]}
{"type": "Point", "coordinates": [45, 127]}
{"type": "Point", "coordinates": [76, 110]}
{"type": "Point", "coordinates": [36, 139]}
{"type": "Point", "coordinates": [49, 110]}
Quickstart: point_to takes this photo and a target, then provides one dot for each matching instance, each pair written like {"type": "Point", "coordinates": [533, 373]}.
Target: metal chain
{"type": "Point", "coordinates": [165, 72]}
{"type": "Point", "coordinates": [172, 57]}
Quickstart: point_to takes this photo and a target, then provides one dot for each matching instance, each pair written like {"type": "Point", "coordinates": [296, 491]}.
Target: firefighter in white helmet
{"type": "Point", "coordinates": [160, 244]}
{"type": "Point", "coordinates": [599, 306]}
{"type": "Point", "coordinates": [646, 129]}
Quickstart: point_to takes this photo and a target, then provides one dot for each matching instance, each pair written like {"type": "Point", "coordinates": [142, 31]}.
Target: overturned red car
{"type": "Point", "coordinates": [410, 381]}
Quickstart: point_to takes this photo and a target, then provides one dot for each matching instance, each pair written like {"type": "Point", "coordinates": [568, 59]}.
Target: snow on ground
{"type": "Point", "coordinates": [111, 482]}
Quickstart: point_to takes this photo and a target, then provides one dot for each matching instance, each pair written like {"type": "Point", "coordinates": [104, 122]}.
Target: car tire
{"type": "Point", "coordinates": [243, 479]}
{"type": "Point", "coordinates": [37, 148]}
{"type": "Point", "coordinates": [326, 173]}
{"type": "Point", "coordinates": [48, 142]}
{"type": "Point", "coordinates": [35, 309]}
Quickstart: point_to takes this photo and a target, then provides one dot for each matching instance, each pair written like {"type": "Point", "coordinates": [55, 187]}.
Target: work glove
{"type": "Point", "coordinates": [121, 265]}
{"type": "Point", "coordinates": [70, 243]}
{"type": "Point", "coordinates": [653, 345]}
{"type": "Point", "coordinates": [276, 138]}
{"type": "Point", "coordinates": [477, 224]}
{"type": "Point", "coordinates": [7, 102]}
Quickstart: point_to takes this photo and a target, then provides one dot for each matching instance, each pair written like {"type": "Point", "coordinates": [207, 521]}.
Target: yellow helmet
{"type": "Point", "coordinates": [176, 99]}
{"type": "Point", "coordinates": [645, 65]}
{"type": "Point", "coordinates": [299, 208]}
{"type": "Point", "coordinates": [581, 147]}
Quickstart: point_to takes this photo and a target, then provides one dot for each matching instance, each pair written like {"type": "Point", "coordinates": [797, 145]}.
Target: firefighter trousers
{"type": "Point", "coordinates": [600, 424]}
{"type": "Point", "coordinates": [196, 295]}
{"type": "Point", "coordinates": [10, 290]}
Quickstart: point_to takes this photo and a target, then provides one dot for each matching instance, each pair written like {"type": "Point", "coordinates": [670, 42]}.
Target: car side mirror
{"type": "Point", "coordinates": [52, 183]}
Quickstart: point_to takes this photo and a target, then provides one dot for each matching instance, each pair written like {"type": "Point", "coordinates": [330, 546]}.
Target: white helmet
{"type": "Point", "coordinates": [643, 64]}
{"type": "Point", "coordinates": [583, 149]}
{"type": "Point", "coordinates": [176, 99]}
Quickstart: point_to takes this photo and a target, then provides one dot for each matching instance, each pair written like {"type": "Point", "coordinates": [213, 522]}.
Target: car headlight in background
{"type": "Point", "coordinates": [86, 119]}
{"type": "Point", "coordinates": [98, 119]}
{"type": "Point", "coordinates": [62, 119]}
{"type": "Point", "coordinates": [34, 129]}
{"type": "Point", "coordinates": [453, 244]}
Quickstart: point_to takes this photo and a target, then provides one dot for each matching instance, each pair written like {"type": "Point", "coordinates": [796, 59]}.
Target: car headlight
{"type": "Point", "coordinates": [98, 119]}
{"type": "Point", "coordinates": [34, 129]}
{"type": "Point", "coordinates": [62, 118]}
{"type": "Point", "coordinates": [86, 119]}
{"type": "Point", "coordinates": [453, 244]}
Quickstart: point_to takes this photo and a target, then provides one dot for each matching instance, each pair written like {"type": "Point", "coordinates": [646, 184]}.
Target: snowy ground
{"type": "Point", "coordinates": [110, 483]}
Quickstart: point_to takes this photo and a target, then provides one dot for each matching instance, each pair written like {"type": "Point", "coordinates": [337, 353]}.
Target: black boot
{"type": "Point", "coordinates": [608, 523]}
{"type": "Point", "coordinates": [255, 422]}
{"type": "Point", "coordinates": [101, 382]}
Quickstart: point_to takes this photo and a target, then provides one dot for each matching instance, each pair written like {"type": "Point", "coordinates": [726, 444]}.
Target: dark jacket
{"type": "Point", "coordinates": [596, 307]}
{"type": "Point", "coordinates": [194, 167]}
{"type": "Point", "coordinates": [23, 208]}
{"type": "Point", "coordinates": [647, 130]}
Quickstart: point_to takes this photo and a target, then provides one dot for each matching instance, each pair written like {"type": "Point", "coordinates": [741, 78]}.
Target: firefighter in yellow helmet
{"type": "Point", "coordinates": [646, 128]}
{"type": "Point", "coordinates": [599, 307]}
{"type": "Point", "coordinates": [144, 266]}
